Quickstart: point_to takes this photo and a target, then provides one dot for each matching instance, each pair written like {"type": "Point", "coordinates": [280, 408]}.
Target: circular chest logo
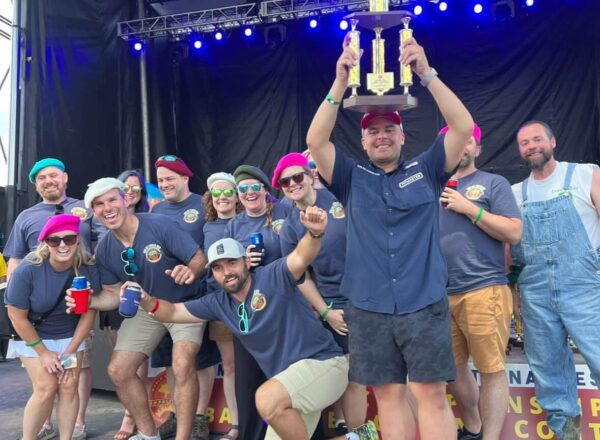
{"type": "Point", "coordinates": [79, 212]}
{"type": "Point", "coordinates": [258, 302]}
{"type": "Point", "coordinates": [337, 210]}
{"type": "Point", "coordinates": [276, 226]}
{"type": "Point", "coordinates": [191, 216]}
{"type": "Point", "coordinates": [475, 192]}
{"type": "Point", "coordinates": [153, 253]}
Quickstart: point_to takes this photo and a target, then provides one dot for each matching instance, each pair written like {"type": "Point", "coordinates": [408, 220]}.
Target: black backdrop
{"type": "Point", "coordinates": [242, 102]}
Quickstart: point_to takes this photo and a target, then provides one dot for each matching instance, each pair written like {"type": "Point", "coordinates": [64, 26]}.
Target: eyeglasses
{"type": "Point", "coordinates": [55, 240]}
{"type": "Point", "coordinates": [134, 188]}
{"type": "Point", "coordinates": [168, 158]}
{"type": "Point", "coordinates": [127, 256]}
{"type": "Point", "coordinates": [216, 193]}
{"type": "Point", "coordinates": [59, 209]}
{"type": "Point", "coordinates": [244, 188]}
{"type": "Point", "coordinates": [312, 164]}
{"type": "Point", "coordinates": [244, 324]}
{"type": "Point", "coordinates": [297, 178]}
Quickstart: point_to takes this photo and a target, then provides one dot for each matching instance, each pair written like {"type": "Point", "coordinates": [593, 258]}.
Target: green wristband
{"type": "Point", "coordinates": [478, 216]}
{"type": "Point", "coordinates": [330, 100]}
{"type": "Point", "coordinates": [326, 311]}
{"type": "Point", "coordinates": [34, 343]}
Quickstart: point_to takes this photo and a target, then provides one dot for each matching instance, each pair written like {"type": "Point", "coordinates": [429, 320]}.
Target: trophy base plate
{"type": "Point", "coordinates": [381, 104]}
{"type": "Point", "coordinates": [383, 20]}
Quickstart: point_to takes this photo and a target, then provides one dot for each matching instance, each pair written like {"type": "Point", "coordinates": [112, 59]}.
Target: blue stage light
{"type": "Point", "coordinates": [529, 3]}
{"type": "Point", "coordinates": [218, 35]}
{"type": "Point", "coordinates": [248, 32]}
{"type": "Point", "coordinates": [478, 8]}
{"type": "Point", "coordinates": [418, 10]}
{"type": "Point", "coordinates": [138, 46]}
{"type": "Point", "coordinates": [313, 23]}
{"type": "Point", "coordinates": [197, 44]}
{"type": "Point", "coordinates": [344, 25]}
{"type": "Point", "coordinates": [443, 6]}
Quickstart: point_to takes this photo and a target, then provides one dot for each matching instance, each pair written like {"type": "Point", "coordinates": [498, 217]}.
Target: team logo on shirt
{"type": "Point", "coordinates": [191, 216]}
{"type": "Point", "coordinates": [153, 253]}
{"type": "Point", "coordinates": [79, 212]}
{"type": "Point", "coordinates": [411, 179]}
{"type": "Point", "coordinates": [475, 192]}
{"type": "Point", "coordinates": [276, 225]}
{"type": "Point", "coordinates": [337, 210]}
{"type": "Point", "coordinates": [258, 301]}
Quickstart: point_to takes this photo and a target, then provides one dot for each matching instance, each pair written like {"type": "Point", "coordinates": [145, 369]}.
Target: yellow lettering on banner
{"type": "Point", "coordinates": [595, 406]}
{"type": "Point", "coordinates": [210, 414]}
{"type": "Point", "coordinates": [519, 424]}
{"type": "Point", "coordinates": [225, 416]}
{"type": "Point", "coordinates": [535, 406]}
{"type": "Point", "coordinates": [543, 431]}
{"type": "Point", "coordinates": [515, 405]}
{"type": "Point", "coordinates": [596, 428]}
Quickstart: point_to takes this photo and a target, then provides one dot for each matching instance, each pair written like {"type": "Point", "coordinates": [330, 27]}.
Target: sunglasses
{"type": "Point", "coordinates": [134, 188]}
{"type": "Point", "coordinates": [312, 164]}
{"type": "Point", "coordinates": [216, 193]}
{"type": "Point", "coordinates": [59, 209]}
{"type": "Point", "coordinates": [243, 324]}
{"type": "Point", "coordinates": [127, 256]}
{"type": "Point", "coordinates": [297, 178]}
{"type": "Point", "coordinates": [54, 241]}
{"type": "Point", "coordinates": [244, 188]}
{"type": "Point", "coordinates": [168, 158]}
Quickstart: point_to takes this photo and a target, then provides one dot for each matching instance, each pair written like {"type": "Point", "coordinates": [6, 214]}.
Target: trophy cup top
{"type": "Point", "coordinates": [382, 20]}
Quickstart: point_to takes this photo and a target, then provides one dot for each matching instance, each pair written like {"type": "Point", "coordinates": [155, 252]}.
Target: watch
{"type": "Point", "coordinates": [429, 77]}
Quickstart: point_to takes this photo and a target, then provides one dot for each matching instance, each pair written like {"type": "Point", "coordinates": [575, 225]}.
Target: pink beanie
{"type": "Point", "coordinates": [289, 160]}
{"type": "Point", "coordinates": [60, 223]}
{"type": "Point", "coordinates": [476, 132]}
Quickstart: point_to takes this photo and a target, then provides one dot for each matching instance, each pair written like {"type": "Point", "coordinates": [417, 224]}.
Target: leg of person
{"type": "Point", "coordinates": [128, 427]}
{"type": "Point", "coordinates": [354, 404]}
{"type": "Point", "coordinates": [226, 350]}
{"type": "Point", "coordinates": [187, 339]}
{"type": "Point", "coordinates": [39, 405]}
{"type": "Point", "coordinates": [248, 377]}
{"type": "Point", "coordinates": [435, 418]}
{"type": "Point", "coordinates": [68, 401]}
{"type": "Point", "coordinates": [206, 360]}
{"type": "Point", "coordinates": [292, 400]}
{"type": "Point", "coordinates": [341, 426]}
{"type": "Point", "coordinates": [85, 388]}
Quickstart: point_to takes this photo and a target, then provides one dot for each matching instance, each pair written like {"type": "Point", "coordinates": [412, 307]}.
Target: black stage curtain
{"type": "Point", "coordinates": [251, 102]}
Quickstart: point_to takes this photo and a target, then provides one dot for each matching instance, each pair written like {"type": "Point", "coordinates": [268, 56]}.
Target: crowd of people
{"type": "Point", "coordinates": [365, 274]}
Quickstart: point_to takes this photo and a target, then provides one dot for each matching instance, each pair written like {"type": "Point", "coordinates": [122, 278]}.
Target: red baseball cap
{"type": "Point", "coordinates": [368, 117]}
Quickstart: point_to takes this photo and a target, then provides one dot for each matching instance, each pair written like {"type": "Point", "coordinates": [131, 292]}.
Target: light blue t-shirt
{"type": "Point", "coordinates": [282, 327]}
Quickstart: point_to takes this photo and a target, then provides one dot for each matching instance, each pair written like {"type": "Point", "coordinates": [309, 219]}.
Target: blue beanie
{"type": "Point", "coordinates": [44, 163]}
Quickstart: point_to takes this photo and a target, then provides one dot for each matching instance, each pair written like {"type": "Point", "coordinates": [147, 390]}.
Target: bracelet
{"type": "Point", "coordinates": [155, 308]}
{"type": "Point", "coordinates": [429, 77]}
{"type": "Point", "coordinates": [478, 216]}
{"type": "Point", "coordinates": [330, 100]}
{"type": "Point", "coordinates": [315, 235]}
{"type": "Point", "coordinates": [34, 343]}
{"type": "Point", "coordinates": [326, 311]}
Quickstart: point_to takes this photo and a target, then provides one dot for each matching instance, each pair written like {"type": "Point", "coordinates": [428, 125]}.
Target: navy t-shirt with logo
{"type": "Point", "coordinates": [476, 260]}
{"type": "Point", "coordinates": [328, 267]}
{"type": "Point", "coordinates": [282, 327]}
{"type": "Point", "coordinates": [242, 225]}
{"type": "Point", "coordinates": [24, 235]}
{"type": "Point", "coordinates": [213, 231]}
{"type": "Point", "coordinates": [394, 262]}
{"type": "Point", "coordinates": [159, 244]}
{"type": "Point", "coordinates": [37, 288]}
{"type": "Point", "coordinates": [189, 213]}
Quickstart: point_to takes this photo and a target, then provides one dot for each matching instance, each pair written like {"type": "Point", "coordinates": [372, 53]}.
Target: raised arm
{"type": "Point", "coordinates": [164, 311]}
{"type": "Point", "coordinates": [315, 221]}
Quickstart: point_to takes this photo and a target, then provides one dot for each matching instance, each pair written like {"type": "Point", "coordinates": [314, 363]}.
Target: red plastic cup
{"type": "Point", "coordinates": [452, 184]}
{"type": "Point", "coordinates": [82, 300]}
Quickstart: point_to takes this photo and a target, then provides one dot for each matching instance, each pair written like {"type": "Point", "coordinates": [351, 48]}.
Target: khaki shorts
{"type": "Point", "coordinates": [142, 333]}
{"type": "Point", "coordinates": [86, 361]}
{"type": "Point", "coordinates": [218, 332]}
{"type": "Point", "coordinates": [313, 385]}
{"type": "Point", "coordinates": [481, 326]}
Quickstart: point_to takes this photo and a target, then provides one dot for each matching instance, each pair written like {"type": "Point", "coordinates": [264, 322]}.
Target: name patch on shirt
{"type": "Point", "coordinates": [367, 170]}
{"type": "Point", "coordinates": [410, 165]}
{"type": "Point", "coordinates": [410, 180]}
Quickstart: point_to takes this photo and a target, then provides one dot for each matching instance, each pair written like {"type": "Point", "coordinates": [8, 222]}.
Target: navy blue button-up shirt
{"type": "Point", "coordinates": [394, 262]}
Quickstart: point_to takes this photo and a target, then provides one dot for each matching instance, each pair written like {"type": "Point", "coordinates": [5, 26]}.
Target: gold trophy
{"type": "Point", "coordinates": [379, 81]}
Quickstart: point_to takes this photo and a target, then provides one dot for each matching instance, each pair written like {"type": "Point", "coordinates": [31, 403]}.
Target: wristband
{"type": "Point", "coordinates": [478, 216]}
{"type": "Point", "coordinates": [315, 235]}
{"type": "Point", "coordinates": [429, 77]}
{"type": "Point", "coordinates": [326, 311]}
{"type": "Point", "coordinates": [330, 100]}
{"type": "Point", "coordinates": [155, 308]}
{"type": "Point", "coordinates": [34, 343]}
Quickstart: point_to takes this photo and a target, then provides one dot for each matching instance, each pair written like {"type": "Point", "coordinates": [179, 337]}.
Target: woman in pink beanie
{"type": "Point", "coordinates": [45, 334]}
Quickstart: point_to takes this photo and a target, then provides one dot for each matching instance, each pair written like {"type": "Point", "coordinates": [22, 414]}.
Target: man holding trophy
{"type": "Point", "coordinates": [395, 276]}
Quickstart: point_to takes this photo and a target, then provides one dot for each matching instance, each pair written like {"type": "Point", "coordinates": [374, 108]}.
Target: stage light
{"type": "Point", "coordinates": [219, 35]}
{"type": "Point", "coordinates": [418, 10]}
{"type": "Point", "coordinates": [248, 32]}
{"type": "Point", "coordinates": [313, 23]}
{"type": "Point", "coordinates": [529, 3]}
{"type": "Point", "coordinates": [478, 8]}
{"type": "Point", "coordinates": [138, 46]}
{"type": "Point", "coordinates": [197, 44]}
{"type": "Point", "coordinates": [443, 6]}
{"type": "Point", "coordinates": [344, 25]}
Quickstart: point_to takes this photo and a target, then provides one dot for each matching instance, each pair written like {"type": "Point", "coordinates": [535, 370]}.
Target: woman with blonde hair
{"type": "Point", "coordinates": [52, 342]}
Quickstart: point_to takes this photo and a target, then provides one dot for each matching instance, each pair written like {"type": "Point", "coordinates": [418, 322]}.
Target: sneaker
{"type": "Point", "coordinates": [200, 430]}
{"type": "Point", "coordinates": [367, 431]}
{"type": "Point", "coordinates": [47, 432]}
{"type": "Point", "coordinates": [79, 433]}
{"type": "Point", "coordinates": [572, 428]}
{"type": "Point", "coordinates": [464, 435]}
{"type": "Point", "coordinates": [341, 429]}
{"type": "Point", "coordinates": [169, 428]}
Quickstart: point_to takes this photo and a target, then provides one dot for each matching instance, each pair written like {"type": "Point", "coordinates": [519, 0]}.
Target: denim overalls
{"type": "Point", "coordinates": [560, 289]}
